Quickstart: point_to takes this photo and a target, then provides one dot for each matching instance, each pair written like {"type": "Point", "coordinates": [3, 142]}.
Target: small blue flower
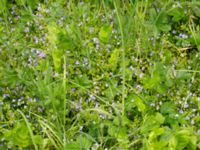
{"type": "Point", "coordinates": [6, 95]}
{"type": "Point", "coordinates": [41, 54]}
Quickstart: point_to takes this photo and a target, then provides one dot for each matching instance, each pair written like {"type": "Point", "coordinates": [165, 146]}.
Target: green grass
{"type": "Point", "coordinates": [99, 75]}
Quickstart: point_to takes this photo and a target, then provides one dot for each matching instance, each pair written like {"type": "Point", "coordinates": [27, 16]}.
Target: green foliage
{"type": "Point", "coordinates": [99, 74]}
{"type": "Point", "coordinates": [152, 122]}
{"type": "Point", "coordinates": [82, 142]}
{"type": "Point", "coordinates": [32, 4]}
{"type": "Point", "coordinates": [158, 21]}
{"type": "Point", "coordinates": [104, 34]}
{"type": "Point", "coordinates": [114, 59]}
{"type": "Point", "coordinates": [168, 107]}
{"type": "Point", "coordinates": [3, 6]}
{"type": "Point", "coordinates": [135, 101]}
{"type": "Point", "coordinates": [83, 81]}
{"type": "Point", "coordinates": [159, 78]}
{"type": "Point", "coordinates": [177, 14]}
{"type": "Point", "coordinates": [19, 136]}
{"type": "Point", "coordinates": [183, 139]}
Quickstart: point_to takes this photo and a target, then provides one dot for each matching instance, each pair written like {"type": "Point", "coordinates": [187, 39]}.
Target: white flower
{"type": "Point", "coordinates": [192, 122]}
{"type": "Point", "coordinates": [152, 105]}
{"type": "Point", "coordinates": [174, 31]}
{"type": "Point", "coordinates": [1, 103]}
{"type": "Point", "coordinates": [81, 128]}
{"type": "Point", "coordinates": [141, 75]}
{"type": "Point", "coordinates": [198, 99]}
{"type": "Point", "coordinates": [187, 118]}
{"type": "Point", "coordinates": [106, 85]}
{"type": "Point", "coordinates": [96, 40]}
{"type": "Point", "coordinates": [77, 63]}
{"type": "Point", "coordinates": [92, 97]}
{"type": "Point", "coordinates": [26, 30]}
{"type": "Point", "coordinates": [186, 105]}
{"type": "Point", "coordinates": [131, 68]}
{"type": "Point", "coordinates": [36, 39]}
{"type": "Point", "coordinates": [198, 131]}
{"type": "Point", "coordinates": [91, 29]}
{"type": "Point", "coordinates": [183, 35]}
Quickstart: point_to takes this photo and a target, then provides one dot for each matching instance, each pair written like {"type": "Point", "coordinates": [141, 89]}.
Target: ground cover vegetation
{"type": "Point", "coordinates": [99, 74]}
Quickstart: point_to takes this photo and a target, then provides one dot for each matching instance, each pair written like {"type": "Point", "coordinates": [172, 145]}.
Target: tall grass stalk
{"type": "Point", "coordinates": [50, 130]}
{"type": "Point", "coordinates": [29, 129]}
{"type": "Point", "coordinates": [64, 105]}
{"type": "Point", "coordinates": [123, 59]}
